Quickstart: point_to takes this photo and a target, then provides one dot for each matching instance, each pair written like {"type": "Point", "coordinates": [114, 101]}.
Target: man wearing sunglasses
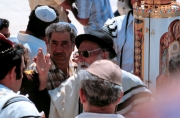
{"type": "Point", "coordinates": [96, 45]}
{"type": "Point", "coordinates": [4, 27]}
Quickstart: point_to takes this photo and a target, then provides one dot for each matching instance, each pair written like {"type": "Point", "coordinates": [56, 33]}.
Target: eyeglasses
{"type": "Point", "coordinates": [87, 53]}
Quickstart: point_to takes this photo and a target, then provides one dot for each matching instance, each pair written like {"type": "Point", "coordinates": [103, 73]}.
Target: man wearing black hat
{"type": "Point", "coordinates": [96, 45]}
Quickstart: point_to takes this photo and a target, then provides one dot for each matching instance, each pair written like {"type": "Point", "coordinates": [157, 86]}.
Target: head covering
{"type": "Point", "coordinates": [100, 37]}
{"type": "Point", "coordinates": [45, 13]}
{"type": "Point", "coordinates": [106, 70]}
{"type": "Point", "coordinates": [40, 18]}
{"type": "Point", "coordinates": [5, 45]}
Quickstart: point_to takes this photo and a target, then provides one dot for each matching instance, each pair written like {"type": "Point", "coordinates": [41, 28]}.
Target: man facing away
{"type": "Point", "coordinates": [34, 37]}
{"type": "Point", "coordinates": [121, 29]}
{"type": "Point", "coordinates": [12, 66]}
{"type": "Point", "coordinates": [101, 90]}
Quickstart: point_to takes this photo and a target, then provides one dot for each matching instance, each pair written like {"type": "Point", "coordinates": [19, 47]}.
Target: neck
{"type": "Point", "coordinates": [30, 33]}
{"type": "Point", "coordinates": [110, 109]}
{"type": "Point", "coordinates": [64, 68]}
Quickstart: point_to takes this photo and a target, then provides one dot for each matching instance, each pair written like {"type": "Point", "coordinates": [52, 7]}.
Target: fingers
{"type": "Point", "coordinates": [40, 54]}
{"type": "Point", "coordinates": [47, 58]}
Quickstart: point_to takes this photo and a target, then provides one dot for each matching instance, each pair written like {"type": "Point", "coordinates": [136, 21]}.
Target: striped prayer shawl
{"type": "Point", "coordinates": [135, 93]}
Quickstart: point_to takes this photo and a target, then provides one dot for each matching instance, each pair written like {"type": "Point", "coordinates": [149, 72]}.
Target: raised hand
{"type": "Point", "coordinates": [43, 65]}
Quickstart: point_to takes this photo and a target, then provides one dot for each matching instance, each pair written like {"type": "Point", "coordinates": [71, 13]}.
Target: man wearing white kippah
{"type": "Point", "coordinates": [60, 5]}
{"type": "Point", "coordinates": [34, 37]}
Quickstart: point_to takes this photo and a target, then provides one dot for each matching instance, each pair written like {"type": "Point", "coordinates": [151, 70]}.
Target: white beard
{"type": "Point", "coordinates": [82, 66]}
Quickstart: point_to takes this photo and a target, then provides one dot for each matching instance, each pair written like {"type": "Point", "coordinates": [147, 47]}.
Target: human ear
{"type": "Point", "coordinates": [105, 55]}
{"type": "Point", "coordinates": [82, 96]}
{"type": "Point", "coordinates": [12, 73]}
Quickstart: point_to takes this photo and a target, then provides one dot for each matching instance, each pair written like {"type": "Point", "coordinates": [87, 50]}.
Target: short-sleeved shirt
{"type": "Point", "coordinates": [98, 11]}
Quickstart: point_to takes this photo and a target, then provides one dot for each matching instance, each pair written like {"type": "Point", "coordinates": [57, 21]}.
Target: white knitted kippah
{"type": "Point", "coordinates": [45, 13]}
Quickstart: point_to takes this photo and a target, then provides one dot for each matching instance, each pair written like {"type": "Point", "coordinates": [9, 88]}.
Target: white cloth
{"type": "Point", "coordinates": [135, 93]}
{"type": "Point", "coordinates": [116, 28]}
{"type": "Point", "coordinates": [18, 109]}
{"type": "Point", "coordinates": [31, 43]}
{"type": "Point", "coordinates": [98, 11]}
{"type": "Point", "coordinates": [65, 98]}
{"type": "Point", "coordinates": [96, 115]}
{"type": "Point", "coordinates": [52, 3]}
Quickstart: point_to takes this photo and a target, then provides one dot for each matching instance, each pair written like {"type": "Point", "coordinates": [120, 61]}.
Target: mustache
{"type": "Point", "coordinates": [58, 54]}
{"type": "Point", "coordinates": [83, 63]}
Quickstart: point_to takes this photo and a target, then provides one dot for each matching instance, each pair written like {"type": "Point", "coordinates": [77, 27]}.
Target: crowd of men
{"type": "Point", "coordinates": [39, 79]}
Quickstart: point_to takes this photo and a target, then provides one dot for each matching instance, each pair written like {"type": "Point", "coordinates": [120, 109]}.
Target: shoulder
{"type": "Point", "coordinates": [20, 108]}
{"type": "Point", "coordinates": [131, 83]}
{"type": "Point", "coordinates": [133, 79]}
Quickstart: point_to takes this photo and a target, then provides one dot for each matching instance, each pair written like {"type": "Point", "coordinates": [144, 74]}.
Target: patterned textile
{"type": "Point", "coordinates": [55, 75]}
{"type": "Point", "coordinates": [121, 38]}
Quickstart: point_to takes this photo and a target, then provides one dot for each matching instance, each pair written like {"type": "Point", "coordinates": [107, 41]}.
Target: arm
{"type": "Point", "coordinates": [83, 21]}
{"type": "Point", "coordinates": [67, 4]}
{"type": "Point", "coordinates": [42, 100]}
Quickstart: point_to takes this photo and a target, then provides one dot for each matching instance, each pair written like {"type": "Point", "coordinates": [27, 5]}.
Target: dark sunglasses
{"type": "Point", "coordinates": [87, 53]}
{"type": "Point", "coordinates": [4, 23]}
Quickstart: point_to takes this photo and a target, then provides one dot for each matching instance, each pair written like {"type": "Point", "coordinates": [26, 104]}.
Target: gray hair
{"type": "Point", "coordinates": [98, 92]}
{"type": "Point", "coordinates": [61, 27]}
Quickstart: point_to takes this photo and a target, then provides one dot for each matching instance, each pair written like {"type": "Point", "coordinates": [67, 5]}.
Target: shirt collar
{"type": "Point", "coordinates": [71, 69]}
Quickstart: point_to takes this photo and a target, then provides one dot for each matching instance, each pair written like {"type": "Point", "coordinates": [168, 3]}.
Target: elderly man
{"type": "Point", "coordinates": [101, 90]}
{"type": "Point", "coordinates": [12, 66]}
{"type": "Point", "coordinates": [94, 46]}
{"type": "Point", "coordinates": [34, 37]}
{"type": "Point", "coordinates": [61, 38]}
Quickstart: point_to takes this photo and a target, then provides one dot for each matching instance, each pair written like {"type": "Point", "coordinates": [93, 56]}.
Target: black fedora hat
{"type": "Point", "coordinates": [100, 37]}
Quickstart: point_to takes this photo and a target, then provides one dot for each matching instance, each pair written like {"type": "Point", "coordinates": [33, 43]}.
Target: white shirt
{"type": "Point", "coordinates": [116, 28]}
{"type": "Point", "coordinates": [65, 98]}
{"type": "Point", "coordinates": [31, 43]}
{"type": "Point", "coordinates": [15, 110]}
{"type": "Point", "coordinates": [97, 115]}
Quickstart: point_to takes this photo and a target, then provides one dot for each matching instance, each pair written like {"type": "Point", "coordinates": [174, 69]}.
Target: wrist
{"type": "Point", "coordinates": [42, 82]}
{"type": "Point", "coordinates": [42, 86]}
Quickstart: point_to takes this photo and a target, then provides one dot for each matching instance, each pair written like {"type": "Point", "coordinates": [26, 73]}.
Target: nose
{"type": "Point", "coordinates": [59, 48]}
